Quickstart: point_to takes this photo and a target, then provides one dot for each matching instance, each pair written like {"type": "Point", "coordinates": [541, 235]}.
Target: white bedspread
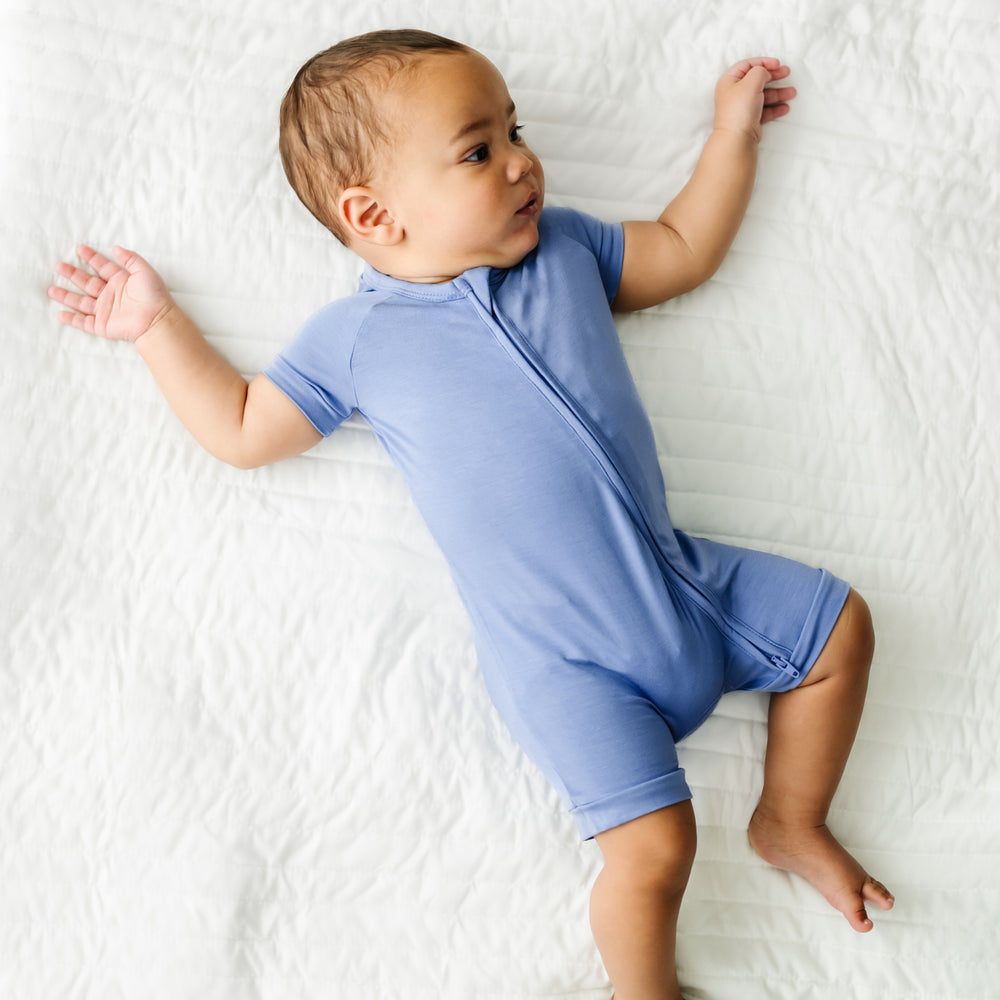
{"type": "Point", "coordinates": [244, 747]}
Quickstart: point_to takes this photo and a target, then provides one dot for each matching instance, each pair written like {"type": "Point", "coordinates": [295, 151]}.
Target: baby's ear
{"type": "Point", "coordinates": [366, 219]}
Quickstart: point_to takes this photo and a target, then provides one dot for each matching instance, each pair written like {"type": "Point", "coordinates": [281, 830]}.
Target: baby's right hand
{"type": "Point", "coordinates": [120, 302]}
{"type": "Point", "coordinates": [744, 102]}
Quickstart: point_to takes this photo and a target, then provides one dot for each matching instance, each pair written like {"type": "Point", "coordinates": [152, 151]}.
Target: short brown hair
{"type": "Point", "coordinates": [330, 129]}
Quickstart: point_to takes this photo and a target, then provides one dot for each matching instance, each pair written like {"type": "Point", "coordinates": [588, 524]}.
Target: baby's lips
{"type": "Point", "coordinates": [529, 204]}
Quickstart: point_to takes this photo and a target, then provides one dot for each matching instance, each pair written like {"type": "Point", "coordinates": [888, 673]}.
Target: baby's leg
{"type": "Point", "coordinates": [636, 898]}
{"type": "Point", "coordinates": [810, 733]}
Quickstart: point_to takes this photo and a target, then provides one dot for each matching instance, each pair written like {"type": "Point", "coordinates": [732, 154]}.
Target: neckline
{"type": "Point", "coordinates": [479, 279]}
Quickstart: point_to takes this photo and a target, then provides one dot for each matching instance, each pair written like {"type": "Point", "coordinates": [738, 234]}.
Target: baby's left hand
{"type": "Point", "coordinates": [744, 102]}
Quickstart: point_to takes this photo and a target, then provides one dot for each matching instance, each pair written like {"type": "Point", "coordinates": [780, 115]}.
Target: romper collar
{"type": "Point", "coordinates": [479, 280]}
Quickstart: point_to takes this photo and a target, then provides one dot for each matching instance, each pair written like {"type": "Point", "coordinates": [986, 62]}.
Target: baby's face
{"type": "Point", "coordinates": [460, 180]}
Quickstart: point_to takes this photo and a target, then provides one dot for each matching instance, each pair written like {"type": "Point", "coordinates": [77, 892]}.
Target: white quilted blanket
{"type": "Point", "coordinates": [244, 748]}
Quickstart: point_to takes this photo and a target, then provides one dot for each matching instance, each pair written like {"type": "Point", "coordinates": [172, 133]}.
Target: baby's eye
{"type": "Point", "coordinates": [515, 133]}
{"type": "Point", "coordinates": [479, 155]}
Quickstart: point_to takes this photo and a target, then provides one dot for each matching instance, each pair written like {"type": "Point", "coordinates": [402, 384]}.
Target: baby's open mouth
{"type": "Point", "coordinates": [529, 206]}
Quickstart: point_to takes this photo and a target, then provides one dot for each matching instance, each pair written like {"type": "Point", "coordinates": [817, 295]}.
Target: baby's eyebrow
{"type": "Point", "coordinates": [478, 124]}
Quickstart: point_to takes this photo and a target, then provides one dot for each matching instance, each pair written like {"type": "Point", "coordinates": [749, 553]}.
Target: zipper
{"type": "Point", "coordinates": [751, 644]}
{"type": "Point", "coordinates": [525, 357]}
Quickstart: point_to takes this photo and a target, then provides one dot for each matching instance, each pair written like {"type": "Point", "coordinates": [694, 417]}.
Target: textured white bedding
{"type": "Point", "coordinates": [244, 748]}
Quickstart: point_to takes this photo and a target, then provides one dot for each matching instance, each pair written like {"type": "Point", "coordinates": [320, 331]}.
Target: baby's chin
{"type": "Point", "coordinates": [450, 266]}
{"type": "Point", "coordinates": [517, 254]}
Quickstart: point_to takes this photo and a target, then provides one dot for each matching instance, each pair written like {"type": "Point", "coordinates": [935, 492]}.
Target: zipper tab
{"type": "Point", "coordinates": [785, 667]}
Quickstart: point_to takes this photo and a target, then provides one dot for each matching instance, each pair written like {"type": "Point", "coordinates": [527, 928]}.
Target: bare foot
{"type": "Point", "coordinates": [817, 856]}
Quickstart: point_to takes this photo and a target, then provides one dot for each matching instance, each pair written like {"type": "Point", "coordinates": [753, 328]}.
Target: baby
{"type": "Point", "coordinates": [481, 349]}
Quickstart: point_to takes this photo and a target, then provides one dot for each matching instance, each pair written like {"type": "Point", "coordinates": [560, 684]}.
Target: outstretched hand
{"type": "Point", "coordinates": [743, 100]}
{"type": "Point", "coordinates": [120, 301]}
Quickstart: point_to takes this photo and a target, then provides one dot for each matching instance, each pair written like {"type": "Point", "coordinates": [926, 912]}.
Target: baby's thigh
{"type": "Point", "coordinates": [602, 743]}
{"type": "Point", "coordinates": [783, 607]}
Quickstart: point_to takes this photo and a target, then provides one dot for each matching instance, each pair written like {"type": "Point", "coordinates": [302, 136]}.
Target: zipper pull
{"type": "Point", "coordinates": [785, 667]}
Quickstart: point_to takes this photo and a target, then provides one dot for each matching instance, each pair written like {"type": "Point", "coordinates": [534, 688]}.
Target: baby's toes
{"type": "Point", "coordinates": [857, 916]}
{"type": "Point", "coordinates": [853, 904]}
{"type": "Point", "coordinates": [875, 892]}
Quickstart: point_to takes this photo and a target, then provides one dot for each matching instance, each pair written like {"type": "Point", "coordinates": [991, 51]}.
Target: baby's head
{"type": "Point", "coordinates": [405, 146]}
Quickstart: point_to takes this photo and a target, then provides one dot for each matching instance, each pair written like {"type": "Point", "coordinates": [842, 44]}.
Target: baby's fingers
{"type": "Point", "coordinates": [88, 283]}
{"type": "Point", "coordinates": [771, 64]}
{"type": "Point", "coordinates": [80, 303]}
{"type": "Point", "coordinates": [778, 95]}
{"type": "Point", "coordinates": [107, 269]}
{"type": "Point", "coordinates": [81, 322]}
{"type": "Point", "coordinates": [776, 103]}
{"type": "Point", "coordinates": [82, 306]}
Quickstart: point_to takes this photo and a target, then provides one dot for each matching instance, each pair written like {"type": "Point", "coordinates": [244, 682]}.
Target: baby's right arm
{"type": "Point", "coordinates": [244, 425]}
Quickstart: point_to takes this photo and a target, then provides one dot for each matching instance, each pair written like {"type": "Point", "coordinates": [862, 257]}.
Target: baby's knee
{"type": "Point", "coordinates": [848, 652]}
{"type": "Point", "coordinates": [859, 628]}
{"type": "Point", "coordinates": [655, 851]}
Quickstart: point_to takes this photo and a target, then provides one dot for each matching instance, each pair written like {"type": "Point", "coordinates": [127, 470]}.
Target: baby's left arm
{"type": "Point", "coordinates": [686, 245]}
{"type": "Point", "coordinates": [125, 299]}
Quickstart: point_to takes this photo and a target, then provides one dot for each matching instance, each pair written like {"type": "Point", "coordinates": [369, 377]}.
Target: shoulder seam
{"type": "Point", "coordinates": [381, 297]}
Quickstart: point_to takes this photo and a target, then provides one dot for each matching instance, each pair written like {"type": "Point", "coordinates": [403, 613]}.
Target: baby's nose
{"type": "Point", "coordinates": [519, 165]}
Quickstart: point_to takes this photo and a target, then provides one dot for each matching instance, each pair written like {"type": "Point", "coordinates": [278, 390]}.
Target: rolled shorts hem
{"type": "Point", "coordinates": [831, 595]}
{"type": "Point", "coordinates": [613, 810]}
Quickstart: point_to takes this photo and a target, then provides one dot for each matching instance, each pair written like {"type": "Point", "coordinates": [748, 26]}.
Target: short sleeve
{"type": "Point", "coordinates": [314, 371]}
{"type": "Point", "coordinates": [605, 240]}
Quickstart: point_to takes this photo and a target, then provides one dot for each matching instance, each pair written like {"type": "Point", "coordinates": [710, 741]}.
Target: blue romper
{"type": "Point", "coordinates": [604, 635]}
